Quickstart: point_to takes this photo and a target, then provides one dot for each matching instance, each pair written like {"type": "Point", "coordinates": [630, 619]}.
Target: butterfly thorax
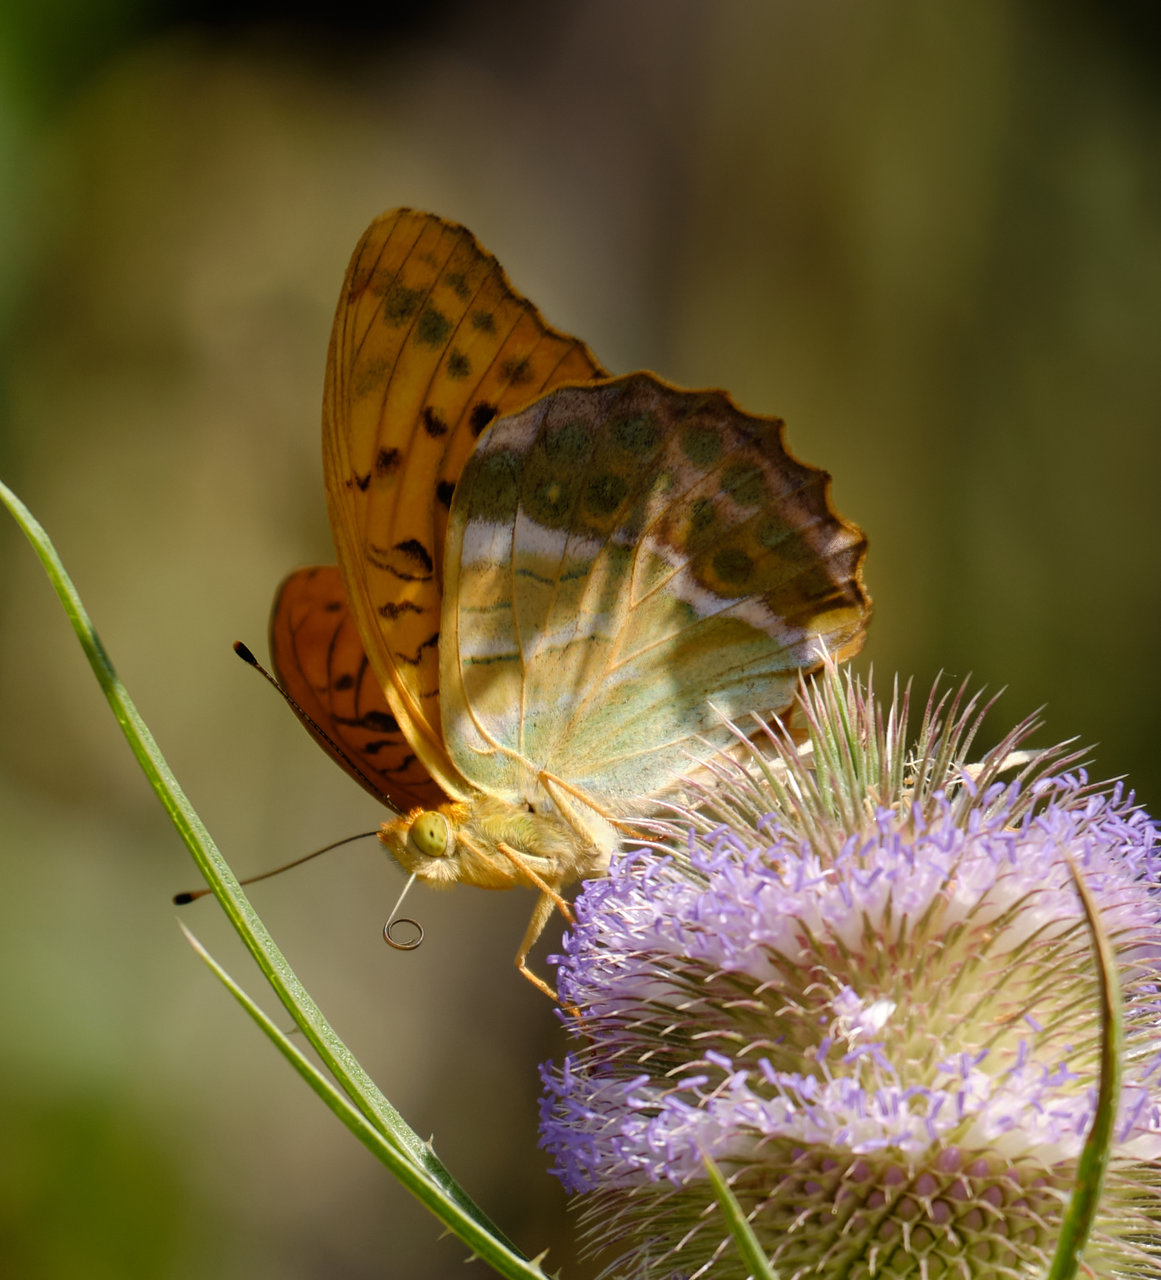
{"type": "Point", "coordinates": [493, 844]}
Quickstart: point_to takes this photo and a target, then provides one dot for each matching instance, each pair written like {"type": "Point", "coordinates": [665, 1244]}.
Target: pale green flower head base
{"type": "Point", "coordinates": [860, 978]}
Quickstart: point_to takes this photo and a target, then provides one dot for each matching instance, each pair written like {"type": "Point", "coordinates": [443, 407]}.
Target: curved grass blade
{"type": "Point", "coordinates": [740, 1229]}
{"type": "Point", "coordinates": [426, 1190]}
{"type": "Point", "coordinates": [1094, 1158]}
{"type": "Point", "coordinates": [358, 1086]}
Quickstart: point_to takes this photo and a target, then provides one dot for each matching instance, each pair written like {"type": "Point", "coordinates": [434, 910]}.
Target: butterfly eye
{"type": "Point", "coordinates": [431, 834]}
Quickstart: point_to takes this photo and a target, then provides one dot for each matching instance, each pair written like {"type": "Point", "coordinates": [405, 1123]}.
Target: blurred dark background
{"type": "Point", "coordinates": [926, 235]}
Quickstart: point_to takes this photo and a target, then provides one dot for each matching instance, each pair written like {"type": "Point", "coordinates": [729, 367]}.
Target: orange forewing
{"type": "Point", "coordinates": [319, 660]}
{"type": "Point", "coordinates": [430, 343]}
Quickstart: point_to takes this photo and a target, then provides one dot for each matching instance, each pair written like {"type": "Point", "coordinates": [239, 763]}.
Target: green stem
{"type": "Point", "coordinates": [454, 1204]}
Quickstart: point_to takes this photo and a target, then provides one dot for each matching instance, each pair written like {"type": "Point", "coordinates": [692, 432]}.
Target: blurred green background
{"type": "Point", "coordinates": [925, 234]}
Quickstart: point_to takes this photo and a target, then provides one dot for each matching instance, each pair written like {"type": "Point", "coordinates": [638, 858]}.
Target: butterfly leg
{"type": "Point", "coordinates": [540, 913]}
{"type": "Point", "coordinates": [549, 899]}
{"type": "Point", "coordinates": [549, 891]}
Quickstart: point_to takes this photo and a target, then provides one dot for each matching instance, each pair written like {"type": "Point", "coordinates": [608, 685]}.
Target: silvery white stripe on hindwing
{"type": "Point", "coordinates": [488, 542]}
{"type": "Point", "coordinates": [483, 646]}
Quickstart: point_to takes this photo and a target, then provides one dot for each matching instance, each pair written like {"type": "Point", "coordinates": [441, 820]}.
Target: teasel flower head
{"type": "Point", "coordinates": [856, 975]}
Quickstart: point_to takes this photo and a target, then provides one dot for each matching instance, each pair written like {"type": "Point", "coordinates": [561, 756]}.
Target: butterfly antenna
{"type": "Point", "coordinates": [393, 921]}
{"type": "Point", "coordinates": [180, 899]}
{"type": "Point", "coordinates": [244, 652]}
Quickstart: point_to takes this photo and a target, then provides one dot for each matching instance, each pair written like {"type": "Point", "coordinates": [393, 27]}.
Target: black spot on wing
{"type": "Point", "coordinates": [482, 414]}
{"type": "Point", "coordinates": [375, 721]}
{"type": "Point", "coordinates": [444, 491]}
{"type": "Point", "coordinates": [392, 610]}
{"type": "Point", "coordinates": [386, 461]}
{"type": "Point", "coordinates": [380, 721]}
{"type": "Point", "coordinates": [401, 304]}
{"type": "Point", "coordinates": [432, 328]}
{"type": "Point", "coordinates": [518, 372]}
{"type": "Point", "coordinates": [434, 422]}
{"type": "Point", "coordinates": [457, 281]}
{"type": "Point", "coordinates": [414, 659]}
{"type": "Point", "coordinates": [412, 553]}
{"type": "Point", "coordinates": [416, 552]}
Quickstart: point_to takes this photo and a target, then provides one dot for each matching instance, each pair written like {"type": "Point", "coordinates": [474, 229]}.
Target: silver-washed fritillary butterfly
{"type": "Point", "coordinates": [552, 585]}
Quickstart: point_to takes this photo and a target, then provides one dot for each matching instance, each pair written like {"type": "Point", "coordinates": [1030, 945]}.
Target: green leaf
{"type": "Point", "coordinates": [440, 1191]}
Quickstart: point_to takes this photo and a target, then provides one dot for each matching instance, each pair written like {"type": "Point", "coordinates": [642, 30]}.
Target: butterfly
{"type": "Point", "coordinates": [553, 586]}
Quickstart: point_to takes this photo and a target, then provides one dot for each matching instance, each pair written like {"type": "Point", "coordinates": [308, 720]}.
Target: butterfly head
{"type": "Point", "coordinates": [492, 843]}
{"type": "Point", "coordinates": [423, 842]}
{"type": "Point", "coordinates": [446, 846]}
